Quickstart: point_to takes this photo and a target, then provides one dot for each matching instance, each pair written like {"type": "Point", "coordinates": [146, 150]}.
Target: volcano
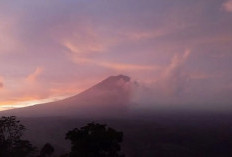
{"type": "Point", "coordinates": [110, 97]}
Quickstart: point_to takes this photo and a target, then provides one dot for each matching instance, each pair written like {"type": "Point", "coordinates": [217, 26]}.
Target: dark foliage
{"type": "Point", "coordinates": [95, 140]}
{"type": "Point", "coordinates": [47, 150]}
{"type": "Point", "coordinates": [11, 144]}
{"type": "Point", "coordinates": [65, 155]}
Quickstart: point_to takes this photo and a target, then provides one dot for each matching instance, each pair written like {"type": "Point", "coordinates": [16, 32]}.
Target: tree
{"type": "Point", "coordinates": [95, 140]}
{"type": "Point", "coordinates": [47, 150]}
{"type": "Point", "coordinates": [11, 144]}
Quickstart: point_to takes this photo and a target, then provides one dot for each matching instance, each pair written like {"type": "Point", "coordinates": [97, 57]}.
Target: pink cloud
{"type": "Point", "coordinates": [1, 85]}
{"type": "Point", "coordinates": [168, 86]}
{"type": "Point", "coordinates": [115, 66]}
{"type": "Point", "coordinates": [227, 6]}
{"type": "Point", "coordinates": [33, 76]}
{"type": "Point", "coordinates": [1, 82]}
{"type": "Point", "coordinates": [173, 78]}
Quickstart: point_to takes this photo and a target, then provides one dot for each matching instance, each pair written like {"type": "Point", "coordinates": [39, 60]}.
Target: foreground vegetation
{"type": "Point", "coordinates": [92, 140]}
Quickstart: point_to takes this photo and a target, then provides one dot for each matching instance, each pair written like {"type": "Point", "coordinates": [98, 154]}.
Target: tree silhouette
{"type": "Point", "coordinates": [47, 150]}
{"type": "Point", "coordinates": [95, 140]}
{"type": "Point", "coordinates": [11, 145]}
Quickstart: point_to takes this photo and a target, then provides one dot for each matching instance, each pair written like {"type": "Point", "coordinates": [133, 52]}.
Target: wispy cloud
{"type": "Point", "coordinates": [127, 67]}
{"type": "Point", "coordinates": [169, 85]}
{"type": "Point", "coordinates": [174, 78]}
{"type": "Point", "coordinates": [1, 83]}
{"type": "Point", "coordinates": [120, 67]}
{"type": "Point", "coordinates": [34, 75]}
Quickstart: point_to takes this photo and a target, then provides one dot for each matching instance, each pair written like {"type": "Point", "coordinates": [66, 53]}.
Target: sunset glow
{"type": "Point", "coordinates": [50, 50]}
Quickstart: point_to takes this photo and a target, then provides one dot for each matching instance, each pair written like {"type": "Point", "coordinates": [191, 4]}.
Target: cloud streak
{"type": "Point", "coordinates": [33, 76]}
{"type": "Point", "coordinates": [1, 83]}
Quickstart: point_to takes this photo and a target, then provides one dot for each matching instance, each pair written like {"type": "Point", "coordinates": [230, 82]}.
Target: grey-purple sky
{"type": "Point", "coordinates": [179, 50]}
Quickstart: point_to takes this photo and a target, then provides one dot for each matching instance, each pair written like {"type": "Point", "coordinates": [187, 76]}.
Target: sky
{"type": "Point", "coordinates": [179, 51]}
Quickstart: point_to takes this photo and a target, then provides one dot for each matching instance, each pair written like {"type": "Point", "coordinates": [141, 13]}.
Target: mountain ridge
{"type": "Point", "coordinates": [107, 98]}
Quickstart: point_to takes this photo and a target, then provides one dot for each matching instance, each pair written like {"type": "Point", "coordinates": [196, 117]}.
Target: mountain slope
{"type": "Point", "coordinates": [110, 97]}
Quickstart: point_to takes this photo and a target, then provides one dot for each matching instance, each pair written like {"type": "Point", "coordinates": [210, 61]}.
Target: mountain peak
{"type": "Point", "coordinates": [124, 77]}
{"type": "Point", "coordinates": [114, 82]}
{"type": "Point", "coordinates": [119, 77]}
